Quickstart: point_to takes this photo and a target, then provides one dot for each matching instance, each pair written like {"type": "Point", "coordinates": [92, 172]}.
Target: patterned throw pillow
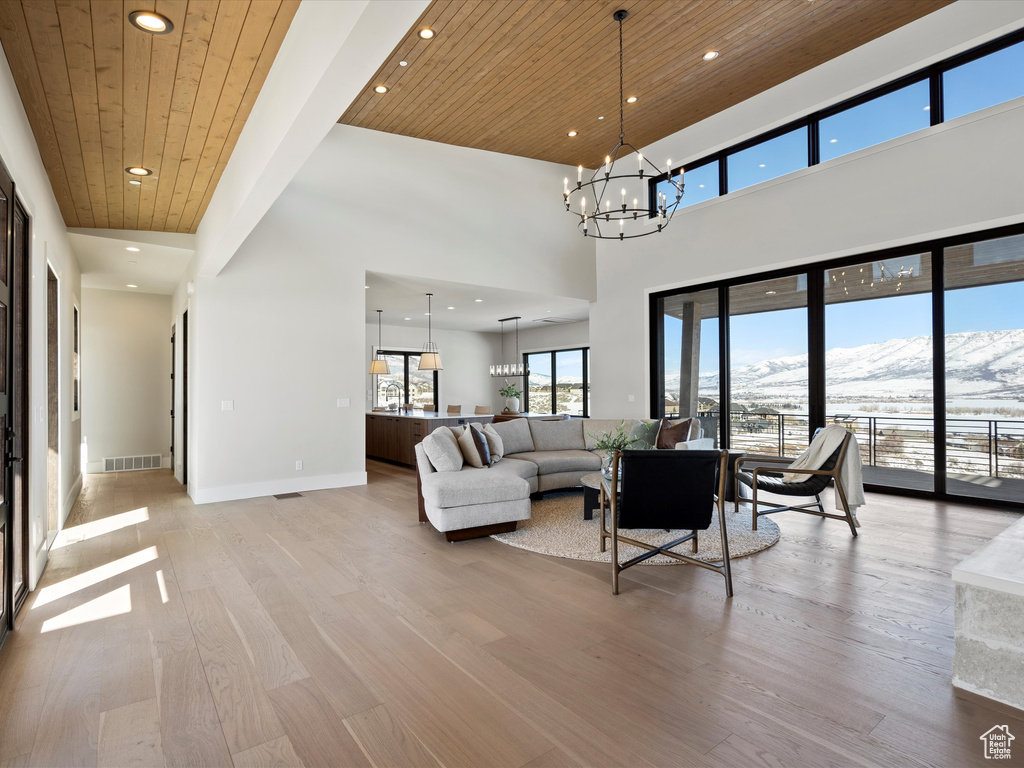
{"type": "Point", "coordinates": [474, 448]}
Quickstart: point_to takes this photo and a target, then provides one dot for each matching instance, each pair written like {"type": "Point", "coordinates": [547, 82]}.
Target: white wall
{"type": "Point", "coordinates": [465, 355]}
{"type": "Point", "coordinates": [567, 336]}
{"type": "Point", "coordinates": [961, 176]}
{"type": "Point", "coordinates": [126, 374]}
{"type": "Point", "coordinates": [49, 242]}
{"type": "Point", "coordinates": [282, 329]}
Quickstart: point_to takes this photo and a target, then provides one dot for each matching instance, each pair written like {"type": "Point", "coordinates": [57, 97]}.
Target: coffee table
{"type": "Point", "coordinates": [591, 494]}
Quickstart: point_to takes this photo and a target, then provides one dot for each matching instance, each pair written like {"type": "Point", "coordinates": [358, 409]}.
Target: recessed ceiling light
{"type": "Point", "coordinates": [710, 55]}
{"type": "Point", "coordinates": [832, 141]}
{"type": "Point", "coordinates": [477, 300]}
{"type": "Point", "coordinates": [427, 314]}
{"type": "Point", "coordinates": [571, 134]}
{"type": "Point", "coordinates": [408, 318]}
{"type": "Point", "coordinates": [150, 21]}
{"type": "Point", "coordinates": [770, 293]}
{"type": "Point", "coordinates": [132, 248]}
{"type": "Point", "coordinates": [631, 100]}
{"type": "Point", "coordinates": [403, 63]}
{"type": "Point", "coordinates": [135, 182]}
{"type": "Point", "coordinates": [381, 89]}
{"type": "Point", "coordinates": [426, 33]}
{"type": "Point", "coordinates": [138, 170]}
{"type": "Point", "coordinates": [600, 117]}
{"type": "Point", "coordinates": [131, 285]}
{"type": "Point", "coordinates": [451, 307]}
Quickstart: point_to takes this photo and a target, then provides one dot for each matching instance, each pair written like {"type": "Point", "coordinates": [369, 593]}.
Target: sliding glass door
{"type": "Point", "coordinates": [691, 360]}
{"type": "Point", "coordinates": [984, 382]}
{"type": "Point", "coordinates": [768, 366]}
{"type": "Point", "coordinates": [878, 366]}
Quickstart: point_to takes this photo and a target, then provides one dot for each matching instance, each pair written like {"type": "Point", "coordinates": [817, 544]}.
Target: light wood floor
{"type": "Point", "coordinates": [334, 630]}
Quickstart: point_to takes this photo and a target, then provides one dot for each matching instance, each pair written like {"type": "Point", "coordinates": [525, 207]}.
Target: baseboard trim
{"type": "Point", "coordinates": [72, 497]}
{"type": "Point", "coordinates": [272, 487]}
{"type": "Point", "coordinates": [975, 697]}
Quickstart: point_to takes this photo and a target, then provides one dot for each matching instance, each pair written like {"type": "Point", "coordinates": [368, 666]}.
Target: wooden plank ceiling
{"type": "Point", "coordinates": [516, 76]}
{"type": "Point", "coordinates": [102, 95]}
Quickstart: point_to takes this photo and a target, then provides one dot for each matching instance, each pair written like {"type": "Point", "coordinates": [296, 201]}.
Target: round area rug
{"type": "Point", "coordinates": [557, 528]}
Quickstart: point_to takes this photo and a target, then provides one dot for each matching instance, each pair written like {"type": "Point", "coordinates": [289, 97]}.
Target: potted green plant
{"type": "Point", "coordinates": [612, 441]}
{"type": "Point", "coordinates": [511, 394]}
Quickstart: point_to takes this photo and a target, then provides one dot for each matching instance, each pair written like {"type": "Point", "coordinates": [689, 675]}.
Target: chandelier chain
{"type": "Point", "coordinates": [622, 130]}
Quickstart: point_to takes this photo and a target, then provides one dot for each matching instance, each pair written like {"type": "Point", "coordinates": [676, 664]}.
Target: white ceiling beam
{"type": "Point", "coordinates": [331, 50]}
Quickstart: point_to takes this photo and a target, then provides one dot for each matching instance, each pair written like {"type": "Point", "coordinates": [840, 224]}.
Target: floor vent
{"type": "Point", "coordinates": [287, 495]}
{"type": "Point", "coordinates": [131, 463]}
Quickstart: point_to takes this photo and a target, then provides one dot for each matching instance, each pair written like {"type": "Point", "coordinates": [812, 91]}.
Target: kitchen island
{"type": "Point", "coordinates": [391, 435]}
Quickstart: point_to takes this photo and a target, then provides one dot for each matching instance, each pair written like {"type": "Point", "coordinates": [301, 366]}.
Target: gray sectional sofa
{"type": "Point", "coordinates": [538, 456]}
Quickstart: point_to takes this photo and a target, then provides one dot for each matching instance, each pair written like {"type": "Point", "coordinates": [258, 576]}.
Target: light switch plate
{"type": "Point", "coordinates": [298, 464]}
{"type": "Point", "coordinates": [632, 399]}
{"type": "Point", "coordinates": [227, 405]}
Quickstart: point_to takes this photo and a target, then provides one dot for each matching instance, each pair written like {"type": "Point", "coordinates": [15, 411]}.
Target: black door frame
{"type": "Point", "coordinates": [184, 399]}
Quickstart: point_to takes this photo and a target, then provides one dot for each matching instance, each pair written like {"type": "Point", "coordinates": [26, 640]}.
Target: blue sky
{"type": "Point", "coordinates": [770, 335]}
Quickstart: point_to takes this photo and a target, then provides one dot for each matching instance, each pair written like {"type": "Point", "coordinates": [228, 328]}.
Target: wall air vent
{"type": "Point", "coordinates": [130, 463]}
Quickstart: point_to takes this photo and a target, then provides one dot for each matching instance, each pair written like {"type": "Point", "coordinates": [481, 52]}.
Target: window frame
{"type": "Point", "coordinates": [406, 355]}
{"type": "Point", "coordinates": [815, 272]}
{"type": "Point", "coordinates": [554, 400]}
{"type": "Point", "coordinates": [932, 73]}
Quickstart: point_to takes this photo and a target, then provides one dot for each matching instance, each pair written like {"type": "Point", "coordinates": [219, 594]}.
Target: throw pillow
{"type": "Point", "coordinates": [494, 442]}
{"type": "Point", "coordinates": [443, 450]}
{"type": "Point", "coordinates": [515, 436]}
{"type": "Point", "coordinates": [645, 435]}
{"type": "Point", "coordinates": [474, 448]}
{"type": "Point", "coordinates": [671, 434]}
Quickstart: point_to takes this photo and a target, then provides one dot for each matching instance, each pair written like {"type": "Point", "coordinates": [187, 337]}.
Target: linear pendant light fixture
{"type": "Point", "coordinates": [621, 221]}
{"type": "Point", "coordinates": [505, 370]}
{"type": "Point", "coordinates": [430, 358]}
{"type": "Point", "coordinates": [378, 364]}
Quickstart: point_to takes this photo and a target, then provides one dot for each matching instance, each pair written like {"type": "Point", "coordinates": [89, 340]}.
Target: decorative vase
{"type": "Point", "coordinates": [512, 404]}
{"type": "Point", "coordinates": [606, 465]}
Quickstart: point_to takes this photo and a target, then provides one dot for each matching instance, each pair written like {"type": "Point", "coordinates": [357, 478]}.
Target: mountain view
{"type": "Point", "coordinates": [984, 370]}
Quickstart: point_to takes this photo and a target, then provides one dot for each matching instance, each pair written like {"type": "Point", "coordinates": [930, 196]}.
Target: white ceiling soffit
{"type": "Point", "coordinates": [329, 53]}
{"type": "Point", "coordinates": [156, 267]}
{"type": "Point", "coordinates": [401, 297]}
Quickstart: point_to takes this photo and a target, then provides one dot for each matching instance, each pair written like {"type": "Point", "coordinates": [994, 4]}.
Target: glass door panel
{"type": "Point", "coordinates": [878, 366]}
{"type": "Point", "coordinates": [768, 366]}
{"type": "Point", "coordinates": [538, 390]}
{"type": "Point", "coordinates": [421, 384]}
{"type": "Point", "coordinates": [569, 382]}
{"type": "Point", "coordinates": [391, 386]}
{"type": "Point", "coordinates": [691, 360]}
{"type": "Point", "coordinates": [984, 349]}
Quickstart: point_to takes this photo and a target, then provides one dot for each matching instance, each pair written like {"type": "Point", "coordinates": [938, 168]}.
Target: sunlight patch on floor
{"type": "Point", "coordinates": [95, 576]}
{"type": "Point", "coordinates": [99, 527]}
{"type": "Point", "coordinates": [113, 603]}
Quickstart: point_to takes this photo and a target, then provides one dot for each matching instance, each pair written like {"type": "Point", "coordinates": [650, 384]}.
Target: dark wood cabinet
{"type": "Point", "coordinates": [393, 438]}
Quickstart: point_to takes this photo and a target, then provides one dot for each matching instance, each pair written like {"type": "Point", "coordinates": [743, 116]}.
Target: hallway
{"type": "Point", "coordinates": [332, 629]}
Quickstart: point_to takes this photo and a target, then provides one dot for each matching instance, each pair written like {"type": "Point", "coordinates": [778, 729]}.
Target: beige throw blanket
{"type": "Point", "coordinates": [823, 446]}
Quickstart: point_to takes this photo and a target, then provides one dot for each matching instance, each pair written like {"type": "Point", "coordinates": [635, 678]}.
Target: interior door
{"type": "Point", "coordinates": [6, 386]}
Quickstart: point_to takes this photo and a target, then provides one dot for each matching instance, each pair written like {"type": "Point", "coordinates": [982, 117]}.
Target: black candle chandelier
{"type": "Point", "coordinates": [610, 216]}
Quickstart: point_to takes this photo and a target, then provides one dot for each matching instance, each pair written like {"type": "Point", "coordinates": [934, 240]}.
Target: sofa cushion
{"type": "Point", "coordinates": [594, 429]}
{"type": "Point", "coordinates": [515, 435]}
{"type": "Point", "coordinates": [549, 462]}
{"type": "Point", "coordinates": [443, 450]}
{"type": "Point", "coordinates": [494, 442]}
{"type": "Point", "coordinates": [517, 467]}
{"type": "Point", "coordinates": [566, 434]}
{"type": "Point", "coordinates": [473, 486]}
{"type": "Point", "coordinates": [474, 447]}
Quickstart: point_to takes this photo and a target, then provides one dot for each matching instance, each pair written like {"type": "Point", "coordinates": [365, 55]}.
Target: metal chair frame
{"type": "Point", "coordinates": [811, 508]}
{"type": "Point", "coordinates": [610, 490]}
